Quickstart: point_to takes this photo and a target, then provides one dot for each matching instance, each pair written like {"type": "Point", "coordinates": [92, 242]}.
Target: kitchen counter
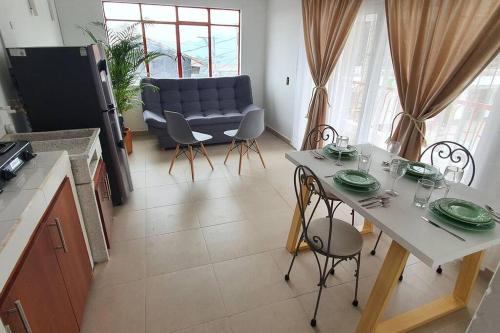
{"type": "Point", "coordinates": [24, 201]}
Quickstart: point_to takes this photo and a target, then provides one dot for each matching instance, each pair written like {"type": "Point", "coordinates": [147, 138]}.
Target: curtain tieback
{"type": "Point", "coordinates": [312, 94]}
{"type": "Point", "coordinates": [416, 122]}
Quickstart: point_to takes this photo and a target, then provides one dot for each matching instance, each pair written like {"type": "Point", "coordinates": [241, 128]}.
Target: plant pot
{"type": "Point", "coordinates": [127, 138]}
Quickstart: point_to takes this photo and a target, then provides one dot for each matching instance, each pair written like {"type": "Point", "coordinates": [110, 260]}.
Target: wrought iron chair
{"type": "Point", "coordinates": [444, 150]}
{"type": "Point", "coordinates": [332, 238]}
{"type": "Point", "coordinates": [187, 140]}
{"type": "Point", "coordinates": [316, 138]}
{"type": "Point", "coordinates": [251, 127]}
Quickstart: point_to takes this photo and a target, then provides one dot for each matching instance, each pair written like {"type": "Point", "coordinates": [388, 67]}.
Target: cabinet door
{"type": "Point", "coordinates": [104, 201]}
{"type": "Point", "coordinates": [39, 291]}
{"type": "Point", "coordinates": [70, 248]}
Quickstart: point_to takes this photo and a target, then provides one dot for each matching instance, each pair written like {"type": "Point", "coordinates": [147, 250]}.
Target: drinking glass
{"type": "Point", "coordinates": [397, 170]}
{"type": "Point", "coordinates": [393, 147]}
{"type": "Point", "coordinates": [423, 192]}
{"type": "Point", "coordinates": [342, 143]}
{"type": "Point", "coordinates": [452, 175]}
{"type": "Point", "coordinates": [364, 162]}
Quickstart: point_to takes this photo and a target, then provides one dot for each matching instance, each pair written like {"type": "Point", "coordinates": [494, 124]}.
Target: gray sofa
{"type": "Point", "coordinates": [210, 105]}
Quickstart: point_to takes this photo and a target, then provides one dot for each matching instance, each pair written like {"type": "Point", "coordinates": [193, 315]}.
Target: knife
{"type": "Point", "coordinates": [440, 227]}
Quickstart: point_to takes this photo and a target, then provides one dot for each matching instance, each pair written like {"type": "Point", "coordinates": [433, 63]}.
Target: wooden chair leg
{"type": "Point", "coordinates": [241, 157]}
{"type": "Point", "coordinates": [248, 149]}
{"type": "Point", "coordinates": [174, 158]}
{"type": "Point", "coordinates": [204, 151]}
{"type": "Point", "coordinates": [260, 155]}
{"type": "Point", "coordinates": [191, 161]}
{"type": "Point", "coordinates": [231, 145]}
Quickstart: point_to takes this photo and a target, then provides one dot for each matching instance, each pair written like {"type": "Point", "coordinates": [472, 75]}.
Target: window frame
{"type": "Point", "coordinates": [142, 22]}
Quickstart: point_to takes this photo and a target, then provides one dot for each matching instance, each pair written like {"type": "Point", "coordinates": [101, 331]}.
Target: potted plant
{"type": "Point", "coordinates": [125, 55]}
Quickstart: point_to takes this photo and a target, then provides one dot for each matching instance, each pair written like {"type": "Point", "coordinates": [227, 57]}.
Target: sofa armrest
{"type": "Point", "coordinates": [250, 107]}
{"type": "Point", "coordinates": [154, 120]}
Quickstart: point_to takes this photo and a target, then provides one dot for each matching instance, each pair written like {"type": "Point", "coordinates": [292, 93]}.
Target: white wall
{"type": "Point", "coordinates": [73, 13]}
{"type": "Point", "coordinates": [18, 27]}
{"type": "Point", "coordinates": [284, 26]}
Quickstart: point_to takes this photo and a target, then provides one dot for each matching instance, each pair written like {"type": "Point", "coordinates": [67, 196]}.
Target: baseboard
{"type": "Point", "coordinates": [140, 133]}
{"type": "Point", "coordinates": [279, 135]}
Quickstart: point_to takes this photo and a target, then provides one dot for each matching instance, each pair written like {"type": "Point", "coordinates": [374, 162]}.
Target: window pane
{"type": "Point", "coordinates": [224, 51]}
{"type": "Point", "coordinates": [194, 47]}
{"type": "Point", "coordinates": [193, 14]}
{"type": "Point", "coordinates": [158, 13]}
{"type": "Point", "coordinates": [222, 16]}
{"type": "Point", "coordinates": [161, 38]}
{"type": "Point", "coordinates": [118, 26]}
{"type": "Point", "coordinates": [121, 11]}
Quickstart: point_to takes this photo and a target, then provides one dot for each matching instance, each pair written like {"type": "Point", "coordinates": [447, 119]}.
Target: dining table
{"type": "Point", "coordinates": [402, 221]}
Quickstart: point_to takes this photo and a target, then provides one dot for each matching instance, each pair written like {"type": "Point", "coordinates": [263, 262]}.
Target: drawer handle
{"type": "Point", "coordinates": [22, 315]}
{"type": "Point", "coordinates": [57, 224]}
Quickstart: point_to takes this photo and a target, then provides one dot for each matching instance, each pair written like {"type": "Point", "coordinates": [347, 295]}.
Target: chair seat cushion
{"type": "Point", "coordinates": [201, 136]}
{"type": "Point", "coordinates": [231, 133]}
{"type": "Point", "coordinates": [346, 239]}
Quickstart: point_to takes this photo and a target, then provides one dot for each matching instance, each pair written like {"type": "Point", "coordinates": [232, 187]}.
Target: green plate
{"type": "Point", "coordinates": [465, 226]}
{"type": "Point", "coordinates": [369, 189]}
{"type": "Point", "coordinates": [332, 149]}
{"type": "Point", "coordinates": [464, 211]}
{"type": "Point", "coordinates": [334, 155]}
{"type": "Point", "coordinates": [421, 169]}
{"type": "Point", "coordinates": [356, 178]}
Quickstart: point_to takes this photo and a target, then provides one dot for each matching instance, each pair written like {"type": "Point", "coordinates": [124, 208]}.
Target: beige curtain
{"type": "Point", "coordinates": [438, 47]}
{"type": "Point", "coordinates": [326, 27]}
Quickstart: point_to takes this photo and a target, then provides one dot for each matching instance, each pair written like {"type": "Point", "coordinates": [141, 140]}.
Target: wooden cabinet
{"type": "Point", "coordinates": [48, 289]}
{"type": "Point", "coordinates": [104, 201]}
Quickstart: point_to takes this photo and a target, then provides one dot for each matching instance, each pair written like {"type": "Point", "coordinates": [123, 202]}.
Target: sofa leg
{"type": "Point", "coordinates": [258, 151]}
{"type": "Point", "coordinates": [174, 158]}
{"type": "Point", "coordinates": [191, 161]}
{"type": "Point", "coordinates": [204, 151]}
{"type": "Point", "coordinates": [231, 145]}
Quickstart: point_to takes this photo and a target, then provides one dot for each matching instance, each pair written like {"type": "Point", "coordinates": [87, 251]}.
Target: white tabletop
{"type": "Point", "coordinates": [402, 220]}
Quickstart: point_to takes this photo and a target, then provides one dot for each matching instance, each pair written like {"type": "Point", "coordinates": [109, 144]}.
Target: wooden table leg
{"type": "Point", "coordinates": [295, 227]}
{"type": "Point", "coordinates": [387, 280]}
{"type": "Point", "coordinates": [367, 227]}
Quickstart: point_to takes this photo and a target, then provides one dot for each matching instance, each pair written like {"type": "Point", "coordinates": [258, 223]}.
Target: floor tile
{"type": "Point", "coordinates": [128, 225]}
{"type": "Point", "coordinates": [249, 282]}
{"type": "Point", "coordinates": [116, 309]}
{"type": "Point", "coordinates": [282, 317]}
{"type": "Point", "coordinates": [182, 299]}
{"type": "Point", "coordinates": [166, 219]}
{"type": "Point", "coordinates": [167, 195]}
{"type": "Point", "coordinates": [127, 263]}
{"type": "Point", "coordinates": [218, 211]}
{"type": "Point", "coordinates": [216, 326]}
{"type": "Point", "coordinates": [175, 251]}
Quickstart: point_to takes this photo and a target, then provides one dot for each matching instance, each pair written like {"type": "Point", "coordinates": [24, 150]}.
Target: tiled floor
{"type": "Point", "coordinates": [209, 256]}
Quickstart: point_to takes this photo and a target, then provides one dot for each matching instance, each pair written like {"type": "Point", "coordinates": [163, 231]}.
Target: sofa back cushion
{"type": "Point", "coordinates": [197, 96]}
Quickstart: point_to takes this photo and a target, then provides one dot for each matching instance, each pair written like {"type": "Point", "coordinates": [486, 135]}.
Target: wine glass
{"type": "Point", "coordinates": [452, 175]}
{"type": "Point", "coordinates": [341, 144]}
{"type": "Point", "coordinates": [397, 170]}
{"type": "Point", "coordinates": [393, 147]}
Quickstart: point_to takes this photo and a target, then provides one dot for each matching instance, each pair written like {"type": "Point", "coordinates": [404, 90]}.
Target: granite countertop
{"type": "Point", "coordinates": [23, 203]}
{"type": "Point", "coordinates": [82, 145]}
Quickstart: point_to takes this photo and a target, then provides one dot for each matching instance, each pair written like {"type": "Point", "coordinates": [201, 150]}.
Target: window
{"type": "Point", "coordinates": [196, 42]}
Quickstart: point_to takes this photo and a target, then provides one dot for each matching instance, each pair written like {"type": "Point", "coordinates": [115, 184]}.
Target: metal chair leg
{"type": "Point", "coordinates": [352, 214]}
{"type": "Point", "coordinates": [358, 266]}
{"type": "Point", "coordinates": [321, 285]}
{"type": "Point", "coordinates": [287, 275]}
{"type": "Point", "coordinates": [439, 270]}
{"type": "Point", "coordinates": [376, 244]}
